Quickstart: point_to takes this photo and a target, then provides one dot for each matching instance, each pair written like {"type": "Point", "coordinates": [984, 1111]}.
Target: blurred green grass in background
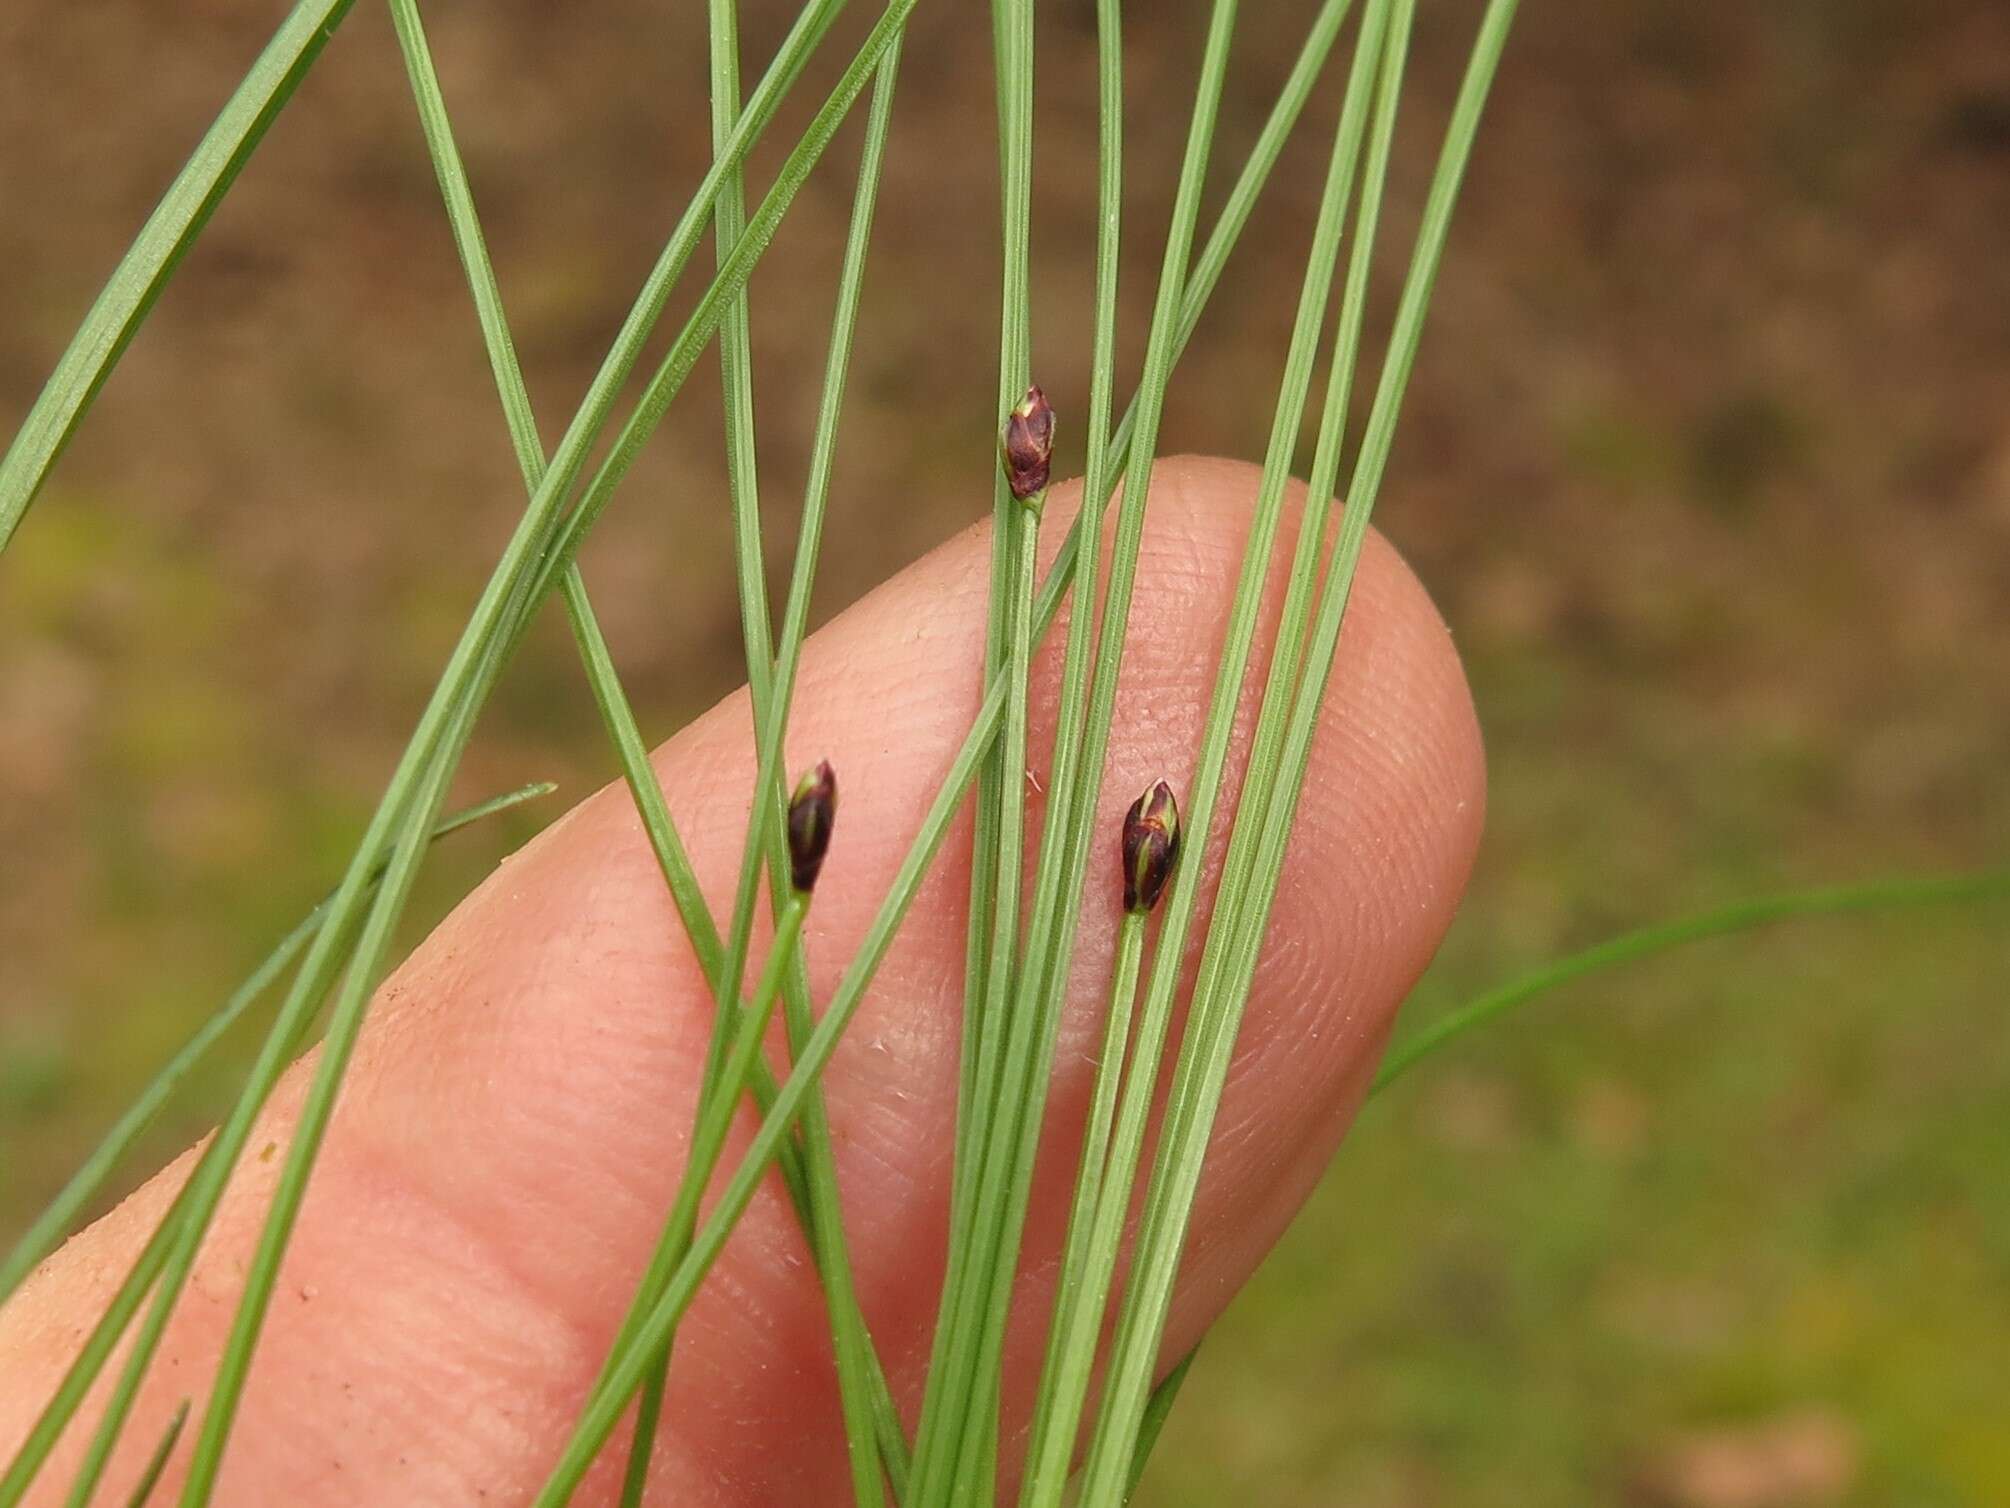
{"type": "Point", "coordinates": [1705, 462]}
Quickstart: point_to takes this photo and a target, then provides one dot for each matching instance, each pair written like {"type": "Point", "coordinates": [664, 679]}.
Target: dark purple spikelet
{"type": "Point", "coordinates": [812, 811]}
{"type": "Point", "coordinates": [1151, 847]}
{"type": "Point", "coordinates": [1028, 445]}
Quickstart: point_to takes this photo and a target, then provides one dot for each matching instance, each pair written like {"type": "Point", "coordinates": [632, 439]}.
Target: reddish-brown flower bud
{"type": "Point", "coordinates": [1028, 445]}
{"type": "Point", "coordinates": [1151, 847]}
{"type": "Point", "coordinates": [812, 811]}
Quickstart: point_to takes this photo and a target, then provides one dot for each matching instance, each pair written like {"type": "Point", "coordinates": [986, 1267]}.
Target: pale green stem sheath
{"type": "Point", "coordinates": [1064, 1384]}
{"type": "Point", "coordinates": [151, 260]}
{"type": "Point", "coordinates": [624, 1370]}
{"type": "Point", "coordinates": [1203, 1064]}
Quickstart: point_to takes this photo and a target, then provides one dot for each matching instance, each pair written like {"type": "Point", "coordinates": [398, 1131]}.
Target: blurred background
{"type": "Point", "coordinates": [1707, 461]}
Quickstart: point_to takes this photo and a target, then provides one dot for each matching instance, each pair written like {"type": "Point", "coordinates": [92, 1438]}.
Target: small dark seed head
{"type": "Point", "coordinates": [812, 811]}
{"type": "Point", "coordinates": [1028, 445]}
{"type": "Point", "coordinates": [1151, 847]}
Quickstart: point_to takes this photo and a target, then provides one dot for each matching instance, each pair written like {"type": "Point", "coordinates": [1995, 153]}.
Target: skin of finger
{"type": "Point", "coordinates": [519, 1108]}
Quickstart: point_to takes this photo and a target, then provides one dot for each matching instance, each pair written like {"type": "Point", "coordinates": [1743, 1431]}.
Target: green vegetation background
{"type": "Point", "coordinates": [1706, 463]}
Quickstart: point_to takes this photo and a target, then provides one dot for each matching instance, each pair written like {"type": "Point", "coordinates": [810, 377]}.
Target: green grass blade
{"type": "Point", "coordinates": [1090, 1287]}
{"type": "Point", "coordinates": [1210, 1038]}
{"type": "Point", "coordinates": [160, 1254]}
{"type": "Point", "coordinates": [1157, 1411]}
{"type": "Point", "coordinates": [1064, 1381]}
{"type": "Point", "coordinates": [41, 1237]}
{"type": "Point", "coordinates": [157, 1462]}
{"type": "Point", "coordinates": [540, 549]}
{"type": "Point", "coordinates": [1661, 937]}
{"type": "Point", "coordinates": [813, 1192]}
{"type": "Point", "coordinates": [1639, 945]}
{"type": "Point", "coordinates": [994, 1239]}
{"type": "Point", "coordinates": [625, 1369]}
{"type": "Point", "coordinates": [708, 1140]}
{"type": "Point", "coordinates": [162, 242]}
{"type": "Point", "coordinates": [1213, 259]}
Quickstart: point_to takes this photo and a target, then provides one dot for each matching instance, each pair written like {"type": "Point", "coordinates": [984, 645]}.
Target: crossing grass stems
{"type": "Point", "coordinates": [1017, 966]}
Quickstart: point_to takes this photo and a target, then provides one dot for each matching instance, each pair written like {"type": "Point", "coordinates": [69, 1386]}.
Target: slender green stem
{"type": "Point", "coordinates": [1210, 1038]}
{"type": "Point", "coordinates": [92, 1355]}
{"type": "Point", "coordinates": [150, 1477]}
{"type": "Point", "coordinates": [863, 1394]}
{"type": "Point", "coordinates": [997, 842]}
{"type": "Point", "coordinates": [616, 713]}
{"type": "Point", "coordinates": [1627, 948]}
{"type": "Point", "coordinates": [704, 318]}
{"type": "Point", "coordinates": [625, 1369]}
{"type": "Point", "coordinates": [41, 1237]}
{"type": "Point", "coordinates": [504, 604]}
{"type": "Point", "coordinates": [1164, 1396]}
{"type": "Point", "coordinates": [1087, 1267]}
{"type": "Point", "coordinates": [971, 1428]}
{"type": "Point", "coordinates": [729, 214]}
{"type": "Point", "coordinates": [866, 1400]}
{"type": "Point", "coordinates": [1079, 546]}
{"type": "Point", "coordinates": [1057, 886]}
{"type": "Point", "coordinates": [81, 1188]}
{"type": "Point", "coordinates": [157, 250]}
{"type": "Point", "coordinates": [715, 1120]}
{"type": "Point", "coordinates": [1085, 1324]}
{"type": "Point", "coordinates": [1021, 1051]}
{"type": "Point", "coordinates": [1207, 268]}
{"type": "Point", "coordinates": [1660, 937]}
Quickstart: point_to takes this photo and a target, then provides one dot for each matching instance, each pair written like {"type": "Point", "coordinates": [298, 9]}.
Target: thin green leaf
{"type": "Point", "coordinates": [624, 1370]}
{"type": "Point", "coordinates": [1660, 937]}
{"type": "Point", "coordinates": [41, 1237]}
{"type": "Point", "coordinates": [1205, 1055]}
{"type": "Point", "coordinates": [152, 258]}
{"type": "Point", "coordinates": [157, 1462]}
